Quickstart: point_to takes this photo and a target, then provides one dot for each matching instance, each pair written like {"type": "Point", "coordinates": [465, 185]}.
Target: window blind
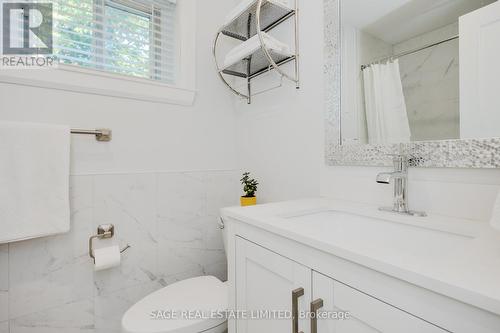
{"type": "Point", "coordinates": [130, 37]}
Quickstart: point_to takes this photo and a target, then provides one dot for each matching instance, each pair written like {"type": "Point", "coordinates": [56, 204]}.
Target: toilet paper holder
{"type": "Point", "coordinates": [104, 231]}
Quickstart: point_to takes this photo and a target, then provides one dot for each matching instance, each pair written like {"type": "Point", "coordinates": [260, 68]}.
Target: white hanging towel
{"type": "Point", "coordinates": [386, 116]}
{"type": "Point", "coordinates": [34, 180]}
{"type": "Point", "coordinates": [495, 217]}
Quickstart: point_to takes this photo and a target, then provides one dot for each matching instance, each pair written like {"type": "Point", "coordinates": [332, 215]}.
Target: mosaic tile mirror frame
{"type": "Point", "coordinates": [452, 153]}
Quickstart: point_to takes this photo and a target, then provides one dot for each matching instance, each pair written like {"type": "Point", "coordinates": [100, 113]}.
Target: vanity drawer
{"type": "Point", "coordinates": [367, 314]}
{"type": "Point", "coordinates": [377, 314]}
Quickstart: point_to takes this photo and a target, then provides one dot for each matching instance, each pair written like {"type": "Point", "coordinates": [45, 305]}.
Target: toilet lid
{"type": "Point", "coordinates": [181, 307]}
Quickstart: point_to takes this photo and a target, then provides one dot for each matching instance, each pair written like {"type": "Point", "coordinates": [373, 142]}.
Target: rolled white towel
{"type": "Point", "coordinates": [252, 45]}
{"type": "Point", "coordinates": [495, 216]}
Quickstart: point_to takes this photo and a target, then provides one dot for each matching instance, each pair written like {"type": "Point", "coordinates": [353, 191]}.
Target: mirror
{"type": "Point", "coordinates": [418, 73]}
{"type": "Point", "coordinates": [400, 70]}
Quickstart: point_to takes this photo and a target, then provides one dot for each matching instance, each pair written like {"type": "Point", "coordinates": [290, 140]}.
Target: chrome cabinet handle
{"type": "Point", "coordinates": [299, 292]}
{"type": "Point", "coordinates": [315, 306]}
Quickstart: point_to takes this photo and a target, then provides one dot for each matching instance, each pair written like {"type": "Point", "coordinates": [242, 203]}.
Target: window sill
{"type": "Point", "coordinates": [83, 80]}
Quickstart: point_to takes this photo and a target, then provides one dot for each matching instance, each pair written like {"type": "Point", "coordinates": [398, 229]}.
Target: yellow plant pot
{"type": "Point", "coordinates": [248, 201]}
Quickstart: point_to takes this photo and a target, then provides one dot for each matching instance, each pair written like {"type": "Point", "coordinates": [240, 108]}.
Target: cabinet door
{"type": "Point", "coordinates": [479, 73]}
{"type": "Point", "coordinates": [265, 282]}
{"type": "Point", "coordinates": [367, 314]}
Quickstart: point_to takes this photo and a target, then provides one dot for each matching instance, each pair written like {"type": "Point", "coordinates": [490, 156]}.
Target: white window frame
{"type": "Point", "coordinates": [92, 81]}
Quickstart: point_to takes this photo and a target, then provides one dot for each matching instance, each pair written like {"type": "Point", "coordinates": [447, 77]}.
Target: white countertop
{"type": "Point", "coordinates": [454, 257]}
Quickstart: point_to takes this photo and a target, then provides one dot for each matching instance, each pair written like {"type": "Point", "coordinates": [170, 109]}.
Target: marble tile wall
{"type": "Point", "coordinates": [431, 85]}
{"type": "Point", "coordinates": [48, 285]}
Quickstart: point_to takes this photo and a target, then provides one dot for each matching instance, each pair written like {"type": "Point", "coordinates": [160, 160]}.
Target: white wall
{"type": "Point", "coordinates": [280, 135]}
{"type": "Point", "coordinates": [281, 140]}
{"type": "Point", "coordinates": [147, 136]}
{"type": "Point", "coordinates": [161, 181]}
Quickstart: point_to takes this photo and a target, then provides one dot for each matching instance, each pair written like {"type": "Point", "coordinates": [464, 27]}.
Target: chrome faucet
{"type": "Point", "coordinates": [400, 179]}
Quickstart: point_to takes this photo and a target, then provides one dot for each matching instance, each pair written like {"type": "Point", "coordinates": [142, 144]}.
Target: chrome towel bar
{"type": "Point", "coordinates": [101, 134]}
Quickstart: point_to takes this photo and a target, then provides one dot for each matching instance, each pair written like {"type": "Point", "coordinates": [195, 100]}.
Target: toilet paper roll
{"type": "Point", "coordinates": [107, 257]}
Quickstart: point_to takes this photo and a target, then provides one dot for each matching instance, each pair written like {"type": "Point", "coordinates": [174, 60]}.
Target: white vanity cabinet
{"type": "Point", "coordinates": [390, 275]}
{"type": "Point", "coordinates": [267, 281]}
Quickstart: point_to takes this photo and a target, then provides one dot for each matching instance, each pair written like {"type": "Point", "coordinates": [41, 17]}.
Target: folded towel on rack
{"type": "Point", "coordinates": [245, 5]}
{"type": "Point", "coordinates": [495, 217]}
{"type": "Point", "coordinates": [253, 45]}
{"type": "Point", "coordinates": [34, 180]}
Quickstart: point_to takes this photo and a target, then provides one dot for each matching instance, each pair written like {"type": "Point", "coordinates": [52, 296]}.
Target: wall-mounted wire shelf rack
{"type": "Point", "coordinates": [261, 16]}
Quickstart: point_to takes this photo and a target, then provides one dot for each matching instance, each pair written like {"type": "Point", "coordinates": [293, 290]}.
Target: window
{"type": "Point", "coordinates": [130, 37]}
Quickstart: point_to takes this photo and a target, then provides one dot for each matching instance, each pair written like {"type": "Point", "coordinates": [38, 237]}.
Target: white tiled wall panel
{"type": "Point", "coordinates": [48, 285]}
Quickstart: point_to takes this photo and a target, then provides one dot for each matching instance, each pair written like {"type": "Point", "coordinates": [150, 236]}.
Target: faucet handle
{"type": "Point", "coordinates": [400, 161]}
{"type": "Point", "coordinates": [402, 154]}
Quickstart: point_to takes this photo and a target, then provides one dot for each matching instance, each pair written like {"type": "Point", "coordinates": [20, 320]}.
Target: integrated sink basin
{"type": "Point", "coordinates": [380, 233]}
{"type": "Point", "coordinates": [341, 222]}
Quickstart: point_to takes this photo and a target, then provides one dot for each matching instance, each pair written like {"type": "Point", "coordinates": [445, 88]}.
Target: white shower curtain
{"type": "Point", "coordinates": [386, 115]}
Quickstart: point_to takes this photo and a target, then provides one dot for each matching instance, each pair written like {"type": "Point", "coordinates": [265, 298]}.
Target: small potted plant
{"type": "Point", "coordinates": [249, 187]}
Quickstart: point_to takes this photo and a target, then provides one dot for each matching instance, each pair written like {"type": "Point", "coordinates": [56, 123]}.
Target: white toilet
{"type": "Point", "coordinates": [186, 299]}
